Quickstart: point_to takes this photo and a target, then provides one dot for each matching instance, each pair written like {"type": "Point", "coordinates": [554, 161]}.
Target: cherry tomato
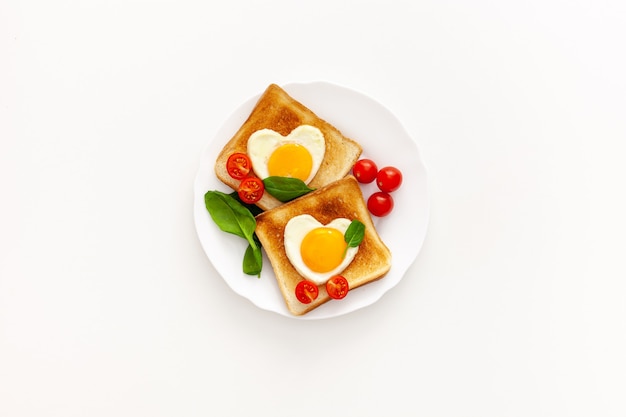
{"type": "Point", "coordinates": [337, 287]}
{"type": "Point", "coordinates": [306, 291]}
{"type": "Point", "coordinates": [365, 171]}
{"type": "Point", "coordinates": [380, 204]}
{"type": "Point", "coordinates": [251, 190]}
{"type": "Point", "coordinates": [238, 165]}
{"type": "Point", "coordinates": [389, 179]}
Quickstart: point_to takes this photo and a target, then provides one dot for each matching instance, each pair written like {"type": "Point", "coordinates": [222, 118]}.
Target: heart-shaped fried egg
{"type": "Point", "coordinates": [297, 155]}
{"type": "Point", "coordinates": [318, 251]}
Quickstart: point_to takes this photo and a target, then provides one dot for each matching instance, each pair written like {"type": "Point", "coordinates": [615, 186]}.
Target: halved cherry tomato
{"type": "Point", "coordinates": [337, 287]}
{"type": "Point", "coordinates": [380, 204]}
{"type": "Point", "coordinates": [238, 165]}
{"type": "Point", "coordinates": [251, 190]}
{"type": "Point", "coordinates": [365, 171]}
{"type": "Point", "coordinates": [306, 291]}
{"type": "Point", "coordinates": [389, 179]}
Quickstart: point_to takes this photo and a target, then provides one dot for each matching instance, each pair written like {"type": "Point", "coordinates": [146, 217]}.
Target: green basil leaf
{"type": "Point", "coordinates": [285, 188]}
{"type": "Point", "coordinates": [355, 233]}
{"type": "Point", "coordinates": [230, 215]}
{"type": "Point", "coordinates": [233, 216]}
{"type": "Point", "coordinates": [253, 259]}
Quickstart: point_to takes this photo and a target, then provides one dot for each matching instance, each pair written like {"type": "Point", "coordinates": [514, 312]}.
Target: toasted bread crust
{"type": "Point", "coordinates": [342, 198]}
{"type": "Point", "coordinates": [280, 112]}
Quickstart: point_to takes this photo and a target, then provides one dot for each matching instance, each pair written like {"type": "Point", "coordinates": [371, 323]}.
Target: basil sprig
{"type": "Point", "coordinates": [285, 188]}
{"type": "Point", "coordinates": [233, 217]}
{"type": "Point", "coordinates": [354, 234]}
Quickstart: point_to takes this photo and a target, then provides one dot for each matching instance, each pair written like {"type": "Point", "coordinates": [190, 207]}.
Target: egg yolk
{"type": "Point", "coordinates": [290, 160]}
{"type": "Point", "coordinates": [323, 249]}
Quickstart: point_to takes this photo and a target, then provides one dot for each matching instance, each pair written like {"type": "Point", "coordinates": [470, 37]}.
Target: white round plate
{"type": "Point", "coordinates": [383, 139]}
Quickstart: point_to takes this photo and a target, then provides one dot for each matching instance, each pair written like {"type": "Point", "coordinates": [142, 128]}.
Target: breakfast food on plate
{"type": "Point", "coordinates": [283, 138]}
{"type": "Point", "coordinates": [296, 200]}
{"type": "Point", "coordinates": [322, 244]}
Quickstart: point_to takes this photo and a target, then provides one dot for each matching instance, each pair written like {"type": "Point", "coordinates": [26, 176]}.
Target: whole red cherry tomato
{"type": "Point", "coordinates": [389, 179]}
{"type": "Point", "coordinates": [380, 204]}
{"type": "Point", "coordinates": [365, 171]}
{"type": "Point", "coordinates": [238, 165]}
{"type": "Point", "coordinates": [251, 190]}
{"type": "Point", "coordinates": [306, 291]}
{"type": "Point", "coordinates": [337, 287]}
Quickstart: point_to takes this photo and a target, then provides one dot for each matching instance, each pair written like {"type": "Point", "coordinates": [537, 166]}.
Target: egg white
{"type": "Point", "coordinates": [296, 229]}
{"type": "Point", "coordinates": [264, 142]}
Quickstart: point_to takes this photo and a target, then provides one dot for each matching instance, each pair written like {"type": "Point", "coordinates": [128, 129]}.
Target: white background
{"type": "Point", "coordinates": [514, 307]}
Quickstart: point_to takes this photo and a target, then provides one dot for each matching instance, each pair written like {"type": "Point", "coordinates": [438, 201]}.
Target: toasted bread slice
{"type": "Point", "coordinates": [342, 198]}
{"type": "Point", "coordinates": [280, 112]}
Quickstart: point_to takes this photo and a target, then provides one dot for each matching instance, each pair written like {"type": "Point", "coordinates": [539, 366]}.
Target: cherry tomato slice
{"type": "Point", "coordinates": [306, 291]}
{"type": "Point", "coordinates": [238, 165]}
{"type": "Point", "coordinates": [389, 179]}
{"type": "Point", "coordinates": [337, 287]}
{"type": "Point", "coordinates": [380, 204]}
{"type": "Point", "coordinates": [365, 171]}
{"type": "Point", "coordinates": [251, 190]}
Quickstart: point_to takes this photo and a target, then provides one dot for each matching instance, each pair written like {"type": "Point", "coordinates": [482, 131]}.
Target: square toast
{"type": "Point", "coordinates": [278, 111]}
{"type": "Point", "coordinates": [342, 198]}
